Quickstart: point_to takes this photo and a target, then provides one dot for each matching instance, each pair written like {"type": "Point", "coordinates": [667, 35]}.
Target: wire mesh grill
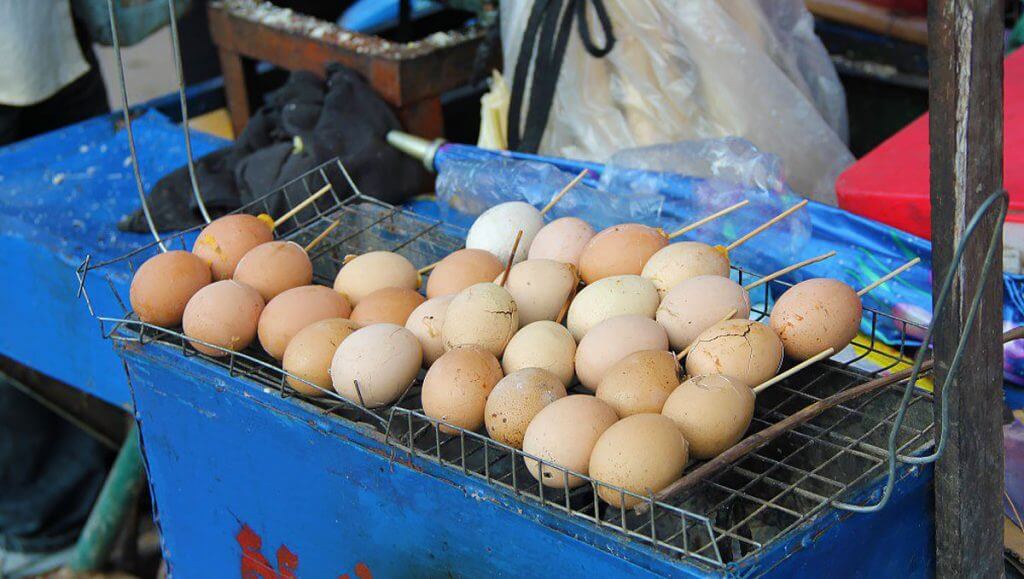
{"type": "Point", "coordinates": [725, 519]}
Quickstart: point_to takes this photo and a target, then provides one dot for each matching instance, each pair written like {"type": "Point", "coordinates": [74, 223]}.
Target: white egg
{"type": "Point", "coordinates": [495, 230]}
{"type": "Point", "coordinates": [609, 297]}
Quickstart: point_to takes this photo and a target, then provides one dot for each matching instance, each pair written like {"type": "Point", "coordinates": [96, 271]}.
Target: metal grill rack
{"type": "Point", "coordinates": [726, 519]}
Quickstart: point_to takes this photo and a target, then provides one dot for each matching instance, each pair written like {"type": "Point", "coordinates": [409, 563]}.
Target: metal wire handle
{"type": "Point", "coordinates": [940, 304]}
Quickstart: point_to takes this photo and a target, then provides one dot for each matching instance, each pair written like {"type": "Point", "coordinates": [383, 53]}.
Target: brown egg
{"type": "Point", "coordinates": [815, 315]}
{"type": "Point", "coordinates": [713, 412]}
{"type": "Point", "coordinates": [562, 240]}
{"type": "Point", "coordinates": [390, 305]}
{"type": "Point", "coordinates": [456, 387]}
{"type": "Point", "coordinates": [681, 261]}
{"type": "Point", "coordinates": [612, 296]}
{"type": "Point", "coordinates": [698, 303]}
{"type": "Point", "coordinates": [640, 383]}
{"type": "Point", "coordinates": [641, 454]}
{"type": "Point", "coordinates": [164, 284]}
{"type": "Point", "coordinates": [516, 399]}
{"type": "Point", "coordinates": [482, 315]}
{"type": "Point", "coordinates": [620, 250]}
{"type": "Point", "coordinates": [563, 434]}
{"type": "Point", "coordinates": [746, 350]}
{"type": "Point", "coordinates": [544, 345]}
{"type": "Point", "coordinates": [224, 241]}
{"type": "Point", "coordinates": [425, 322]}
{"type": "Point", "coordinates": [540, 288]}
{"type": "Point", "coordinates": [273, 267]}
{"type": "Point", "coordinates": [295, 309]}
{"type": "Point", "coordinates": [375, 365]}
{"type": "Point", "coordinates": [224, 314]}
{"type": "Point", "coordinates": [310, 352]}
{"type": "Point", "coordinates": [611, 341]}
{"type": "Point", "coordinates": [372, 271]}
{"type": "Point", "coordinates": [462, 269]}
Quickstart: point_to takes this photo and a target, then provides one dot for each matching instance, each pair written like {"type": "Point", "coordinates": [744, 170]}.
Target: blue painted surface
{"type": "Point", "coordinates": [223, 452]}
{"type": "Point", "coordinates": [61, 195]}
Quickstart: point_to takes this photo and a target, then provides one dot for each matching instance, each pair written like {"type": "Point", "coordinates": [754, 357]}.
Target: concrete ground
{"type": "Point", "coordinates": [149, 69]}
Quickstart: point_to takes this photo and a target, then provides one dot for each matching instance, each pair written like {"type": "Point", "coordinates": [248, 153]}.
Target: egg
{"type": "Point", "coordinates": [681, 261]}
{"type": "Point", "coordinates": [545, 345]}
{"type": "Point", "coordinates": [224, 314]}
{"type": "Point", "coordinates": [516, 399]}
{"type": "Point", "coordinates": [273, 267]}
{"type": "Point", "coordinates": [372, 271]}
{"type": "Point", "coordinates": [541, 288]}
{"type": "Point", "coordinates": [224, 242]}
{"type": "Point", "coordinates": [620, 250]}
{"type": "Point", "coordinates": [383, 359]}
{"type": "Point", "coordinates": [482, 315]}
{"type": "Point", "coordinates": [744, 349]}
{"type": "Point", "coordinates": [461, 269]}
{"type": "Point", "coordinates": [563, 434]}
{"type": "Point", "coordinates": [698, 303]}
{"type": "Point", "coordinates": [613, 340]}
{"type": "Point", "coordinates": [562, 240]}
{"type": "Point", "coordinates": [164, 284]}
{"type": "Point", "coordinates": [295, 309]}
{"type": "Point", "coordinates": [425, 322]}
{"type": "Point", "coordinates": [712, 412]}
{"type": "Point", "coordinates": [309, 354]}
{"type": "Point", "coordinates": [456, 387]}
{"type": "Point", "coordinates": [816, 314]}
{"type": "Point", "coordinates": [391, 305]}
{"type": "Point", "coordinates": [609, 297]}
{"type": "Point", "coordinates": [496, 229]}
{"type": "Point", "coordinates": [641, 454]}
{"type": "Point", "coordinates": [640, 383]}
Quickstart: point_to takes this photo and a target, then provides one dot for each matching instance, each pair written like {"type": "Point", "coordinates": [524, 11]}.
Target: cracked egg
{"type": "Point", "coordinates": [482, 315]}
{"type": "Point", "coordinates": [744, 349]}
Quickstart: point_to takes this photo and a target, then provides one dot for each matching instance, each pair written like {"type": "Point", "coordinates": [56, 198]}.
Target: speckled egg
{"type": "Point", "coordinates": [544, 345]}
{"type": "Point", "coordinates": [461, 269]}
{"type": "Point", "coordinates": [383, 359]}
{"type": "Point", "coordinates": [541, 288]}
{"type": "Point", "coordinates": [273, 267]}
{"type": "Point", "coordinates": [698, 303]}
{"type": "Point", "coordinates": [425, 322]}
{"type": "Point", "coordinates": [609, 297]}
{"type": "Point", "coordinates": [744, 349]}
{"type": "Point", "coordinates": [309, 354]}
{"type": "Point", "coordinates": [641, 454]}
{"type": "Point", "coordinates": [224, 242]}
{"type": "Point", "coordinates": [620, 250]}
{"type": "Point", "coordinates": [372, 271]}
{"type": "Point", "coordinates": [224, 314]}
{"type": "Point", "coordinates": [562, 240]}
{"type": "Point", "coordinates": [640, 383]}
{"type": "Point", "coordinates": [613, 340]}
{"type": "Point", "coordinates": [681, 261]}
{"type": "Point", "coordinates": [516, 399]}
{"type": "Point", "coordinates": [456, 387]}
{"type": "Point", "coordinates": [815, 315]}
{"type": "Point", "coordinates": [295, 309]}
{"type": "Point", "coordinates": [713, 412]}
{"type": "Point", "coordinates": [164, 284]}
{"type": "Point", "coordinates": [482, 315]}
{"type": "Point", "coordinates": [563, 434]}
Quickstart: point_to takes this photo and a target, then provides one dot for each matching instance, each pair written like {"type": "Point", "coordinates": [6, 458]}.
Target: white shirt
{"type": "Point", "coordinates": [39, 54]}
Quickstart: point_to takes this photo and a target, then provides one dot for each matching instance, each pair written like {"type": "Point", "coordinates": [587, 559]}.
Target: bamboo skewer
{"type": "Point", "coordinates": [688, 228]}
{"type": "Point", "coordinates": [765, 225]}
{"type": "Point", "coordinates": [890, 275]}
{"type": "Point", "coordinates": [566, 189]}
{"type": "Point", "coordinates": [789, 269]}
{"type": "Point", "coordinates": [780, 377]}
{"type": "Point", "coordinates": [687, 349]}
{"type": "Point", "coordinates": [511, 258]}
{"type": "Point", "coordinates": [428, 268]}
{"type": "Point", "coordinates": [323, 235]}
{"type": "Point", "coordinates": [306, 203]}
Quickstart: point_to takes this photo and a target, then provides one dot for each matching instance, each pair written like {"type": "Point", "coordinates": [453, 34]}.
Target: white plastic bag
{"type": "Point", "coordinates": [695, 69]}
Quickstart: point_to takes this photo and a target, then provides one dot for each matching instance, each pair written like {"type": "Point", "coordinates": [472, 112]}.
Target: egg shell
{"type": "Point", "coordinates": [224, 242]}
{"type": "Point", "coordinates": [461, 269]}
{"type": "Point", "coordinates": [681, 261]}
{"type": "Point", "coordinates": [563, 434]}
{"type": "Point", "coordinates": [163, 285]}
{"type": "Point", "coordinates": [641, 454]}
{"type": "Point", "coordinates": [620, 250]}
{"type": "Point", "coordinates": [611, 341]}
{"type": "Point", "coordinates": [390, 305]}
{"type": "Point", "coordinates": [273, 267]}
{"type": "Point", "coordinates": [495, 230]}
{"type": "Point", "coordinates": [295, 309]}
{"type": "Point", "coordinates": [562, 240]}
{"type": "Point", "coordinates": [310, 352]}
{"type": "Point", "coordinates": [746, 350]}
{"type": "Point", "coordinates": [516, 399]}
{"type": "Point", "coordinates": [540, 288]}
{"type": "Point", "coordinates": [696, 304]}
{"type": "Point", "coordinates": [456, 387]}
{"type": "Point", "coordinates": [372, 271]}
{"type": "Point", "coordinates": [612, 296]}
{"type": "Point", "coordinates": [482, 315]}
{"type": "Point", "coordinates": [225, 314]}
{"type": "Point", "coordinates": [425, 322]}
{"type": "Point", "coordinates": [816, 314]}
{"type": "Point", "coordinates": [544, 345]}
{"type": "Point", "coordinates": [712, 412]}
{"type": "Point", "coordinates": [640, 383]}
{"type": "Point", "coordinates": [383, 358]}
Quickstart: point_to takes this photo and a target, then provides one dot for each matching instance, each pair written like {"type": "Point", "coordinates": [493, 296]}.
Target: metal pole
{"type": "Point", "coordinates": [965, 54]}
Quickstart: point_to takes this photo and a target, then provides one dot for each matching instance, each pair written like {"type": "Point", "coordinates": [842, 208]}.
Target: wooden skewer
{"type": "Point", "coordinates": [688, 228]}
{"type": "Point", "coordinates": [890, 275]}
{"type": "Point", "coordinates": [308, 201]}
{"type": "Point", "coordinates": [765, 225]}
{"type": "Point", "coordinates": [568, 299]}
{"type": "Point", "coordinates": [323, 235]}
{"type": "Point", "coordinates": [780, 377]}
{"type": "Point", "coordinates": [566, 189]}
{"type": "Point", "coordinates": [789, 269]}
{"type": "Point", "coordinates": [428, 268]}
{"type": "Point", "coordinates": [511, 258]}
{"type": "Point", "coordinates": [687, 349]}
